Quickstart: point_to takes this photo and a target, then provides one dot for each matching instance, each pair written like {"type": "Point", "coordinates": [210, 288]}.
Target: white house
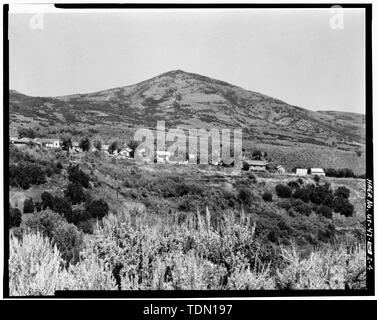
{"type": "Point", "coordinates": [126, 152]}
{"type": "Point", "coordinates": [50, 143]}
{"type": "Point", "coordinates": [280, 169]}
{"type": "Point", "coordinates": [301, 172]}
{"type": "Point", "coordinates": [105, 148]}
{"type": "Point", "coordinates": [162, 156]}
{"type": "Point", "coordinates": [23, 141]}
{"type": "Point", "coordinates": [317, 172]}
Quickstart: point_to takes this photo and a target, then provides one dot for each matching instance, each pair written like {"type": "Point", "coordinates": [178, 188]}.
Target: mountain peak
{"type": "Point", "coordinates": [173, 73]}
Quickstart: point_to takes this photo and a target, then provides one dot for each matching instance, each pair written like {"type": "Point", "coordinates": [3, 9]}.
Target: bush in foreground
{"type": "Point", "coordinates": [36, 269]}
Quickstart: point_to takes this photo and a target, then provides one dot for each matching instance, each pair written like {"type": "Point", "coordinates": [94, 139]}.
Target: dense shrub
{"type": "Point", "coordinates": [293, 184]}
{"type": "Point", "coordinates": [15, 217]}
{"type": "Point", "coordinates": [75, 175]}
{"type": "Point", "coordinates": [28, 206]}
{"type": "Point", "coordinates": [68, 239]}
{"type": "Point", "coordinates": [324, 211]}
{"type": "Point", "coordinates": [322, 194]}
{"type": "Point", "coordinates": [44, 222]}
{"type": "Point", "coordinates": [344, 207]}
{"type": "Point", "coordinates": [342, 192]}
{"type": "Point", "coordinates": [85, 226]}
{"type": "Point", "coordinates": [97, 208]}
{"type": "Point", "coordinates": [301, 207]}
{"type": "Point", "coordinates": [245, 196]}
{"type": "Point", "coordinates": [65, 235]}
{"type": "Point", "coordinates": [317, 178]}
{"type": "Point", "coordinates": [302, 194]}
{"type": "Point", "coordinates": [25, 174]}
{"type": "Point", "coordinates": [26, 133]}
{"type": "Point", "coordinates": [74, 193]}
{"type": "Point", "coordinates": [79, 215]}
{"type": "Point", "coordinates": [283, 191]}
{"type": "Point", "coordinates": [267, 196]}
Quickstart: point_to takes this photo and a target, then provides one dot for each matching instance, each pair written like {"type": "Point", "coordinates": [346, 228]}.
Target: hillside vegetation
{"type": "Point", "coordinates": [115, 225]}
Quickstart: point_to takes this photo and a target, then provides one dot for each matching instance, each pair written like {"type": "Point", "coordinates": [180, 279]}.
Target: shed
{"type": "Point", "coordinates": [257, 165]}
{"type": "Point", "coordinates": [317, 171]}
{"type": "Point", "coordinates": [301, 172]}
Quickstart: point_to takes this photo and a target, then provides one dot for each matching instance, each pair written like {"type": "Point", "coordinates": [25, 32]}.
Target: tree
{"type": "Point", "coordinates": [25, 174]}
{"type": "Point", "coordinates": [85, 144]}
{"type": "Point", "coordinates": [330, 172]}
{"type": "Point", "coordinates": [342, 192]}
{"type": "Point", "coordinates": [267, 196]}
{"type": "Point", "coordinates": [97, 208]}
{"type": "Point", "coordinates": [257, 155]}
{"type": "Point", "coordinates": [48, 200]}
{"type": "Point", "coordinates": [68, 239]}
{"type": "Point", "coordinates": [38, 206]}
{"type": "Point", "coordinates": [97, 144]}
{"type": "Point", "coordinates": [322, 195]}
{"type": "Point", "coordinates": [28, 205]}
{"type": "Point", "coordinates": [293, 184]}
{"type": "Point", "coordinates": [132, 144]}
{"type": "Point", "coordinates": [344, 207]}
{"type": "Point", "coordinates": [66, 144]}
{"type": "Point", "coordinates": [26, 133]}
{"type": "Point", "coordinates": [74, 193]}
{"type": "Point", "coordinates": [317, 178]}
{"type": "Point", "coordinates": [302, 194]}
{"type": "Point", "coordinates": [300, 207]}
{"type": "Point", "coordinates": [283, 191]}
{"type": "Point", "coordinates": [76, 175]}
{"type": "Point", "coordinates": [64, 207]}
{"type": "Point", "coordinates": [15, 217]}
{"type": "Point", "coordinates": [79, 215]}
{"type": "Point", "coordinates": [245, 166]}
{"type": "Point", "coordinates": [113, 146]}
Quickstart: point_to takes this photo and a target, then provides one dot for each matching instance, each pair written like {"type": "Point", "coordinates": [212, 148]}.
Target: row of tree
{"type": "Point", "coordinates": [85, 145]}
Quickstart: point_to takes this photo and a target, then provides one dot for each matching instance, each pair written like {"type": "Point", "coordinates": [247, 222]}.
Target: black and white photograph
{"type": "Point", "coordinates": [188, 151]}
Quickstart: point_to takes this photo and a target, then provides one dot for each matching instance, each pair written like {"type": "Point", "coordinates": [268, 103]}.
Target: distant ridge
{"type": "Point", "coordinates": [193, 100]}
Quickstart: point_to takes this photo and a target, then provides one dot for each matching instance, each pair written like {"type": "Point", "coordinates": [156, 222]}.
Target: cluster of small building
{"type": "Point", "coordinates": [161, 156]}
{"type": "Point", "coordinates": [122, 153]}
{"type": "Point", "coordinates": [261, 166]}
{"type": "Point", "coordinates": [41, 142]}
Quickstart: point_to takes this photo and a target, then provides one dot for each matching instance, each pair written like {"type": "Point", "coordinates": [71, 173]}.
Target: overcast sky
{"type": "Point", "coordinates": [292, 55]}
